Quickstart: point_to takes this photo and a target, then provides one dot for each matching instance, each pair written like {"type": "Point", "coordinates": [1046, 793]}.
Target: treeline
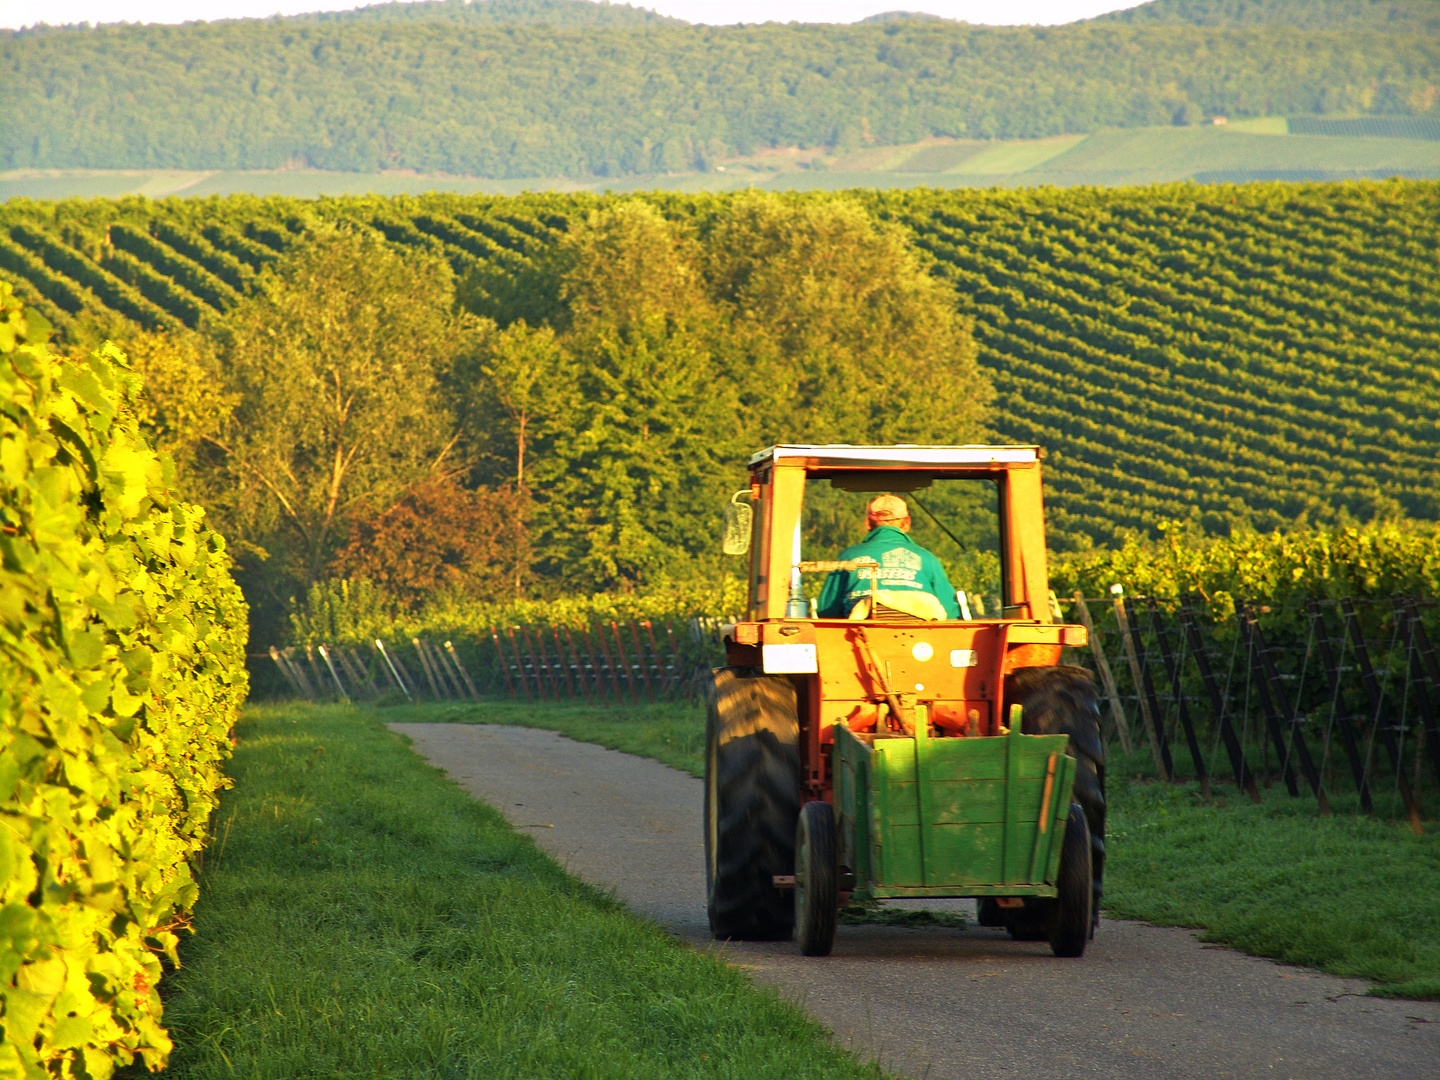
{"type": "Point", "coordinates": [536, 100]}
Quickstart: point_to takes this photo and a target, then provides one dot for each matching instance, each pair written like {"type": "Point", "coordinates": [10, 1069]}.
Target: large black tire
{"type": "Point", "coordinates": [1062, 701]}
{"type": "Point", "coordinates": [1069, 926]}
{"type": "Point", "coordinates": [817, 879]}
{"type": "Point", "coordinates": [752, 802]}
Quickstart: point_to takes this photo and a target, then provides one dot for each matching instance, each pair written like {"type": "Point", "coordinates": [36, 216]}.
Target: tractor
{"type": "Point", "coordinates": [884, 755]}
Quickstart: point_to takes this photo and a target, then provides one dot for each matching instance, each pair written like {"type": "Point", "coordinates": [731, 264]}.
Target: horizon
{"type": "Point", "coordinates": [60, 14]}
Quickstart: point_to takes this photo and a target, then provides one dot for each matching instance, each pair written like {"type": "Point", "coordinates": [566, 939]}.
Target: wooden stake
{"type": "Point", "coordinates": [1137, 674]}
{"type": "Point", "coordinates": [1107, 677]}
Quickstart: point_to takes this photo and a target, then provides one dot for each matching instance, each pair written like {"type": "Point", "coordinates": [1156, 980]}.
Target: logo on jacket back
{"type": "Point", "coordinates": [900, 565]}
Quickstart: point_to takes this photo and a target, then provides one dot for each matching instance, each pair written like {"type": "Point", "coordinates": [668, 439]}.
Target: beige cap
{"type": "Point", "coordinates": [888, 508]}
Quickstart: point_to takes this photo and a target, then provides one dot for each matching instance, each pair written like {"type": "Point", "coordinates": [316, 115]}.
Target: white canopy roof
{"type": "Point", "coordinates": [842, 454]}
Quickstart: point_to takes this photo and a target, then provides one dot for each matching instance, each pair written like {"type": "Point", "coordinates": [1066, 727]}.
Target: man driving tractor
{"type": "Point", "coordinates": [910, 579]}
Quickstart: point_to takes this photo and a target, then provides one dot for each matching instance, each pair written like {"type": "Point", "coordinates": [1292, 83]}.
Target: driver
{"type": "Point", "coordinates": [911, 578]}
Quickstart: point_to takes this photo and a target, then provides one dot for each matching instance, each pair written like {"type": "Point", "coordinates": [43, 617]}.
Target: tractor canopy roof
{"type": "Point", "coordinates": [845, 456]}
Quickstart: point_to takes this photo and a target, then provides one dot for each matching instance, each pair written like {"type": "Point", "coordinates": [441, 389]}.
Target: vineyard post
{"type": "Point", "coordinates": [1411, 631]}
{"type": "Point", "coordinates": [644, 663]}
{"type": "Point", "coordinates": [579, 667]}
{"type": "Point", "coordinates": [1172, 667]}
{"type": "Point", "coordinates": [1376, 700]}
{"type": "Point", "coordinates": [1107, 677]}
{"type": "Point", "coordinates": [425, 667]}
{"type": "Point", "coordinates": [383, 666]}
{"type": "Point", "coordinates": [675, 653]}
{"type": "Point", "coordinates": [428, 659]}
{"type": "Point", "coordinates": [519, 663]}
{"type": "Point", "coordinates": [442, 660]}
{"type": "Point", "coordinates": [504, 661]}
{"type": "Point", "coordinates": [564, 662]}
{"type": "Point", "coordinates": [595, 666]}
{"type": "Point", "coordinates": [310, 691]}
{"type": "Point", "coordinates": [1244, 779]}
{"type": "Point", "coordinates": [624, 662]}
{"type": "Point", "coordinates": [1272, 718]}
{"type": "Point", "coordinates": [542, 659]}
{"type": "Point", "coordinates": [455, 659]}
{"type": "Point", "coordinates": [285, 672]}
{"type": "Point", "coordinates": [352, 670]}
{"type": "Point", "coordinates": [370, 668]}
{"type": "Point", "coordinates": [609, 664]}
{"type": "Point", "coordinates": [392, 663]}
{"type": "Point", "coordinates": [551, 670]}
{"type": "Point", "coordinates": [660, 675]}
{"type": "Point", "coordinates": [534, 661]}
{"type": "Point", "coordinates": [1269, 674]}
{"type": "Point", "coordinates": [319, 680]}
{"type": "Point", "coordinates": [1139, 676]}
{"type": "Point", "coordinates": [325, 655]}
{"type": "Point", "coordinates": [1337, 699]}
{"type": "Point", "coordinates": [1426, 667]}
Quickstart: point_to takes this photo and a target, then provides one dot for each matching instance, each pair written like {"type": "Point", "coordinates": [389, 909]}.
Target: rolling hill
{"type": "Point", "coordinates": [528, 89]}
{"type": "Point", "coordinates": [1263, 353]}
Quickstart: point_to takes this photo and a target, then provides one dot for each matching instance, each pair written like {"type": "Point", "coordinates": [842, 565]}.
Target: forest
{"type": "Point", "coordinates": [547, 94]}
{"type": "Point", "coordinates": [586, 374]}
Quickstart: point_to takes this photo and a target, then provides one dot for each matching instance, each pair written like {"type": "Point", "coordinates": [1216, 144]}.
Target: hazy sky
{"type": "Point", "coordinates": [17, 13]}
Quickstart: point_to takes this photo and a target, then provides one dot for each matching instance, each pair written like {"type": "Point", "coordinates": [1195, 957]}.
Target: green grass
{"type": "Point", "coordinates": [1349, 895]}
{"type": "Point", "coordinates": [361, 916]}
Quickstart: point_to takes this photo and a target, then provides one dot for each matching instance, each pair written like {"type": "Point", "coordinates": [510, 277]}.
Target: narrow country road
{"type": "Point", "coordinates": [934, 1003]}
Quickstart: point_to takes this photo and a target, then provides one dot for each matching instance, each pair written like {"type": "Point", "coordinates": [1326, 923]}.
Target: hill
{"type": "Point", "coordinates": [1389, 16]}
{"type": "Point", "coordinates": [432, 95]}
{"type": "Point", "coordinates": [1264, 353]}
{"type": "Point", "coordinates": [567, 13]}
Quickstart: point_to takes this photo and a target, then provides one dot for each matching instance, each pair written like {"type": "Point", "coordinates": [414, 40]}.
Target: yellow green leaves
{"type": "Point", "coordinates": [121, 671]}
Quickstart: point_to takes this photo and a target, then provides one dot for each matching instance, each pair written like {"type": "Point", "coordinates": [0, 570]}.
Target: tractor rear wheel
{"type": "Point", "coordinates": [752, 802]}
{"type": "Point", "coordinates": [817, 874]}
{"type": "Point", "coordinates": [1062, 701]}
{"type": "Point", "coordinates": [1069, 924]}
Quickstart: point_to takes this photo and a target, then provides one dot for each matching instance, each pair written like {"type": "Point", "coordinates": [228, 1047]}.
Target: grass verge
{"type": "Point", "coordinates": [361, 916]}
{"type": "Point", "coordinates": [1349, 895]}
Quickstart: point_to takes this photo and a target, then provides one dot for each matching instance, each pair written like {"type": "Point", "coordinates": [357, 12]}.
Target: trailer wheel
{"type": "Point", "coordinates": [1062, 701]}
{"type": "Point", "coordinates": [752, 801]}
{"type": "Point", "coordinates": [1069, 923]}
{"type": "Point", "coordinates": [817, 872]}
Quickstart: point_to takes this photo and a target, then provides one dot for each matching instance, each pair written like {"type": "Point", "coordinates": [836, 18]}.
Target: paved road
{"type": "Point", "coordinates": [1145, 1002]}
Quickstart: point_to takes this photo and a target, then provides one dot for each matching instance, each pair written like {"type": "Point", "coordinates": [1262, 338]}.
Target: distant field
{"type": "Point", "coordinates": [1270, 148]}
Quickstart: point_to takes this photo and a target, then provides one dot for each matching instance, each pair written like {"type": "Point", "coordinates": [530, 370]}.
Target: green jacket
{"type": "Point", "coordinates": [904, 564]}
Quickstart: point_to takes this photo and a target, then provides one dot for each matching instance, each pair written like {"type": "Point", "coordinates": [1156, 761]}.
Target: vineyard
{"type": "Point", "coordinates": [1208, 354]}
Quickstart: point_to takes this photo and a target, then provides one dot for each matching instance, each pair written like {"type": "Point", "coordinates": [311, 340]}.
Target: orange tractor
{"type": "Point", "coordinates": [885, 755]}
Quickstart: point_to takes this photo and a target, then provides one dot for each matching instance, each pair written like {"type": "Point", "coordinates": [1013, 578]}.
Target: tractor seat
{"type": "Point", "coordinates": [903, 606]}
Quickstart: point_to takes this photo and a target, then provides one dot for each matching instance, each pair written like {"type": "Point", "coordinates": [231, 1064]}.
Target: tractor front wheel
{"type": "Point", "coordinates": [817, 874]}
{"type": "Point", "coordinates": [752, 801]}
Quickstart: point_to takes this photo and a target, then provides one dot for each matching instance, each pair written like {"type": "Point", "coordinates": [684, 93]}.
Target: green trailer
{"type": "Point", "coordinates": [917, 816]}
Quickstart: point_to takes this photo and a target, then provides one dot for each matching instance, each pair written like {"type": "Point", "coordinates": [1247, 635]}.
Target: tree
{"type": "Point", "coordinates": [528, 373]}
{"type": "Point", "coordinates": [334, 366]}
{"type": "Point", "coordinates": [631, 482]}
{"type": "Point", "coordinates": [839, 333]}
{"type": "Point", "coordinates": [438, 538]}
